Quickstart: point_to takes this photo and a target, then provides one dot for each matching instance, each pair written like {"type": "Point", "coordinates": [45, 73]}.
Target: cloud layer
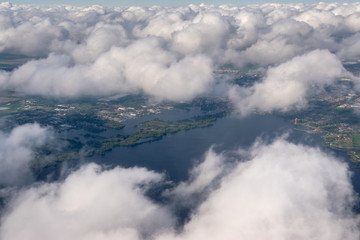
{"type": "Point", "coordinates": [171, 53]}
{"type": "Point", "coordinates": [284, 191]}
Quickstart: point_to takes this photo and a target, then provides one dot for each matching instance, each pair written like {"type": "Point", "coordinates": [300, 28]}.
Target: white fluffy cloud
{"type": "Point", "coordinates": [16, 152]}
{"type": "Point", "coordinates": [89, 204]}
{"type": "Point", "coordinates": [284, 191]}
{"type": "Point", "coordinates": [143, 66]}
{"type": "Point", "coordinates": [286, 86]}
{"type": "Point", "coordinates": [167, 53]}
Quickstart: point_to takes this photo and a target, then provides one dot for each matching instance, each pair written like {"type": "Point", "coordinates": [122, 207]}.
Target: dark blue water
{"type": "Point", "coordinates": [176, 153]}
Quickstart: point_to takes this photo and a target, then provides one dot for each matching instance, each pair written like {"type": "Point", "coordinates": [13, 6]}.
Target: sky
{"type": "Point", "coordinates": [163, 2]}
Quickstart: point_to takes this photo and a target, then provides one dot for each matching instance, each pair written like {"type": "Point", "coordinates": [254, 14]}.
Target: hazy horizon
{"type": "Point", "coordinates": [164, 2]}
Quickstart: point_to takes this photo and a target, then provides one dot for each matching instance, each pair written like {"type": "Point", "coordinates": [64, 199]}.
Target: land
{"type": "Point", "coordinates": [335, 114]}
{"type": "Point", "coordinates": [10, 61]}
{"type": "Point", "coordinates": [98, 122]}
{"type": "Point", "coordinates": [90, 114]}
{"type": "Point", "coordinates": [155, 129]}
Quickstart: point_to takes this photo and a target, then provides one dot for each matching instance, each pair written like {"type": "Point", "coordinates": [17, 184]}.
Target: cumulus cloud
{"type": "Point", "coordinates": [17, 150]}
{"type": "Point", "coordinates": [165, 52]}
{"type": "Point", "coordinates": [283, 191]}
{"type": "Point", "coordinates": [351, 47]}
{"type": "Point", "coordinates": [89, 204]}
{"type": "Point", "coordinates": [141, 67]}
{"type": "Point", "coordinates": [286, 86]}
{"type": "Point", "coordinates": [207, 33]}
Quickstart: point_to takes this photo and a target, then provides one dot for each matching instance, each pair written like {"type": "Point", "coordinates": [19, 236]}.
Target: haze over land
{"type": "Point", "coordinates": [274, 190]}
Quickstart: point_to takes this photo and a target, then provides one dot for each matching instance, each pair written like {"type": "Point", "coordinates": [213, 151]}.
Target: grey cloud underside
{"type": "Point", "coordinates": [283, 191]}
{"type": "Point", "coordinates": [171, 53]}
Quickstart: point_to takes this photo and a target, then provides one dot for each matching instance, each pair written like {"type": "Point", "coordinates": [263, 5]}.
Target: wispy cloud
{"type": "Point", "coordinates": [17, 151]}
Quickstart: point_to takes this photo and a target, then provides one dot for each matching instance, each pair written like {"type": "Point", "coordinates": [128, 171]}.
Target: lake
{"type": "Point", "coordinates": [176, 153]}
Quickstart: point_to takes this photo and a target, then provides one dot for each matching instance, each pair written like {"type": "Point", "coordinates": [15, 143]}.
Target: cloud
{"type": "Point", "coordinates": [203, 179]}
{"type": "Point", "coordinates": [202, 175]}
{"type": "Point", "coordinates": [17, 150]}
{"type": "Point", "coordinates": [165, 52]}
{"type": "Point", "coordinates": [89, 204]}
{"type": "Point", "coordinates": [206, 34]}
{"type": "Point", "coordinates": [141, 67]}
{"type": "Point", "coordinates": [271, 52]}
{"type": "Point", "coordinates": [287, 85]}
{"type": "Point", "coordinates": [283, 191]}
{"type": "Point", "coordinates": [102, 38]}
{"type": "Point", "coordinates": [351, 47]}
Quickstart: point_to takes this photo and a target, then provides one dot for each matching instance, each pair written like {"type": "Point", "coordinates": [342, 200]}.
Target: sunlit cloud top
{"type": "Point", "coordinates": [171, 53]}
